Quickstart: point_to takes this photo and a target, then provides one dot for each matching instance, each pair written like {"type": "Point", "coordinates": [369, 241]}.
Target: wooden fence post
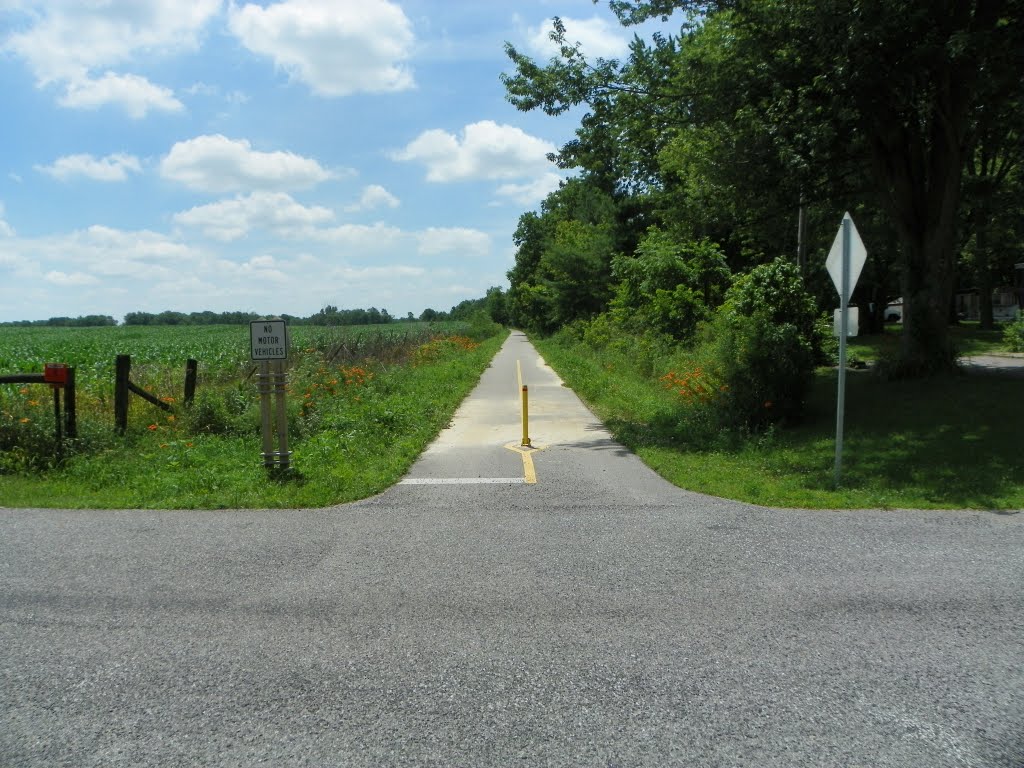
{"type": "Point", "coordinates": [122, 371]}
{"type": "Point", "coordinates": [191, 372]}
{"type": "Point", "coordinates": [70, 414]}
{"type": "Point", "coordinates": [57, 432]}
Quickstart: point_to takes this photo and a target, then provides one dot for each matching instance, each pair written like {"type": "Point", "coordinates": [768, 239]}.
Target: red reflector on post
{"type": "Point", "coordinates": [55, 373]}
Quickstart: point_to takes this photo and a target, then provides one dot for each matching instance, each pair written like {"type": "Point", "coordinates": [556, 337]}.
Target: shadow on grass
{"type": "Point", "coordinates": [951, 442]}
{"type": "Point", "coordinates": [955, 441]}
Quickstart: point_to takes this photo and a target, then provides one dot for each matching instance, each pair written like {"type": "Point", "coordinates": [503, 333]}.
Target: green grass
{"type": "Point", "coordinates": [945, 443]}
{"type": "Point", "coordinates": [968, 339]}
{"type": "Point", "coordinates": [354, 430]}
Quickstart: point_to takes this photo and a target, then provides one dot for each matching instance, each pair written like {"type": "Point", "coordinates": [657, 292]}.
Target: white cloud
{"type": "Point", "coordinates": [485, 150]}
{"type": "Point", "coordinates": [73, 279]}
{"type": "Point", "coordinates": [109, 168]}
{"type": "Point", "coordinates": [217, 164]}
{"type": "Point", "coordinates": [213, 91]}
{"type": "Point", "coordinates": [361, 238]}
{"type": "Point", "coordinates": [68, 41]}
{"type": "Point", "coordinates": [231, 219]}
{"type": "Point", "coordinates": [457, 241]}
{"type": "Point", "coordinates": [92, 256]}
{"type": "Point", "coordinates": [71, 38]}
{"type": "Point", "coordinates": [597, 37]}
{"type": "Point", "coordinates": [6, 230]}
{"type": "Point", "coordinates": [336, 47]}
{"type": "Point", "coordinates": [374, 196]}
{"type": "Point", "coordinates": [531, 192]}
{"type": "Point", "coordinates": [106, 247]}
{"type": "Point", "coordinates": [373, 275]}
{"type": "Point", "coordinates": [136, 95]}
{"type": "Point", "coordinates": [102, 270]}
{"type": "Point", "coordinates": [263, 262]}
{"type": "Point", "coordinates": [263, 268]}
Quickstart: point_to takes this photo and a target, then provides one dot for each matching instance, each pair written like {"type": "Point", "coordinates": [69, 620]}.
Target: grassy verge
{"type": "Point", "coordinates": [946, 443]}
{"type": "Point", "coordinates": [354, 432]}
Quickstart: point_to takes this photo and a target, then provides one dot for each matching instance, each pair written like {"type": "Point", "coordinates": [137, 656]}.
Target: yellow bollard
{"type": "Point", "coordinates": [526, 418]}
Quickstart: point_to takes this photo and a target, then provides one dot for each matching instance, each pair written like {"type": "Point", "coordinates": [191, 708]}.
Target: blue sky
{"type": "Point", "coordinates": [269, 157]}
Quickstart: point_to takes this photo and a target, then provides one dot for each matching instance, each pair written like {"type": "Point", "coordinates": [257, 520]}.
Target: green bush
{"type": "Point", "coordinates": [482, 326]}
{"type": "Point", "coordinates": [826, 342]}
{"type": "Point", "coordinates": [762, 346]}
{"type": "Point", "coordinates": [645, 352]}
{"type": "Point", "coordinates": [232, 411]}
{"type": "Point", "coordinates": [1013, 335]}
{"type": "Point", "coordinates": [27, 446]}
{"type": "Point", "coordinates": [668, 286]}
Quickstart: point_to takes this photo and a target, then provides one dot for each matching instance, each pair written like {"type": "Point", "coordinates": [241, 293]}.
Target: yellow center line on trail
{"type": "Point", "coordinates": [529, 473]}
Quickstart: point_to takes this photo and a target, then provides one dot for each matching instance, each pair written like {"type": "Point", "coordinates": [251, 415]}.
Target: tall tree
{"type": "Point", "coordinates": [887, 90]}
{"type": "Point", "coordinates": [563, 262]}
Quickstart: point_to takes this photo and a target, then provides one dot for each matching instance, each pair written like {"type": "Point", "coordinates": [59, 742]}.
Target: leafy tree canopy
{"type": "Point", "coordinates": [754, 105]}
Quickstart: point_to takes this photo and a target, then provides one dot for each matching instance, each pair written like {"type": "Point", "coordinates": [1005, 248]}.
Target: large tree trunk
{"type": "Point", "coordinates": [927, 280]}
{"type": "Point", "coordinates": [923, 204]}
{"type": "Point", "coordinates": [917, 170]}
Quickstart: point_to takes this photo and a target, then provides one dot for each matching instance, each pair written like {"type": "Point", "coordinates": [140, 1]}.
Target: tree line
{"type": "Point", "coordinates": [329, 315]}
{"type": "Point", "coordinates": [84, 321]}
{"type": "Point", "coordinates": [746, 135]}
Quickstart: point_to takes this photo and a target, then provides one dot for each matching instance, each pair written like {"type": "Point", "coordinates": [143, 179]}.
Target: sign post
{"type": "Point", "coordinates": [269, 347]}
{"type": "Point", "coordinates": [844, 263]}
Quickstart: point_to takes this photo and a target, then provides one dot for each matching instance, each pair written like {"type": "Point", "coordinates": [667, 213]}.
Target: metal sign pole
{"type": "Point", "coordinates": [280, 382]}
{"type": "Point", "coordinates": [263, 380]}
{"type": "Point", "coordinates": [844, 292]}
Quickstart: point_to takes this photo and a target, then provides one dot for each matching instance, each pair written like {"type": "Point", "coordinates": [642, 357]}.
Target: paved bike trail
{"type": "Point", "coordinates": [571, 457]}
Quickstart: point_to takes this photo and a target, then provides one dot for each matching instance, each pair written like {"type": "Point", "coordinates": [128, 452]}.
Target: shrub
{"type": "Point", "coordinates": [601, 332]}
{"type": "Point", "coordinates": [1013, 335]}
{"type": "Point", "coordinates": [669, 285]}
{"type": "Point", "coordinates": [27, 445]}
{"type": "Point", "coordinates": [232, 411]}
{"type": "Point", "coordinates": [482, 326]}
{"type": "Point", "coordinates": [762, 346]}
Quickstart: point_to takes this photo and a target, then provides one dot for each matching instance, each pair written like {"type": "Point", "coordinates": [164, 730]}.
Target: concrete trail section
{"type": "Point", "coordinates": [568, 445]}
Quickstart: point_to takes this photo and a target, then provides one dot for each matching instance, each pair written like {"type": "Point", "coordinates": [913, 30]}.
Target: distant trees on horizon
{"type": "Point", "coordinates": [85, 321]}
{"type": "Point", "coordinates": [492, 304]}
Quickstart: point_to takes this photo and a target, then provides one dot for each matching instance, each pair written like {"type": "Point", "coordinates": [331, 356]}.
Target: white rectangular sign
{"type": "Point", "coordinates": [269, 339]}
{"type": "Point", "coordinates": [852, 321]}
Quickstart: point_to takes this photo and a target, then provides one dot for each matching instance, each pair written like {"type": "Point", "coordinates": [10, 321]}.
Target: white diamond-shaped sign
{"type": "Point", "coordinates": [858, 255]}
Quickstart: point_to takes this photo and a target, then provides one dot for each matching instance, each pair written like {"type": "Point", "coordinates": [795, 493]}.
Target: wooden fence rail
{"type": "Point", "coordinates": [124, 386]}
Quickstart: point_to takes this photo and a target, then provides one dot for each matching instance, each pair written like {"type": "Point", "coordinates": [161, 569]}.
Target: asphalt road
{"type": "Point", "coordinates": [596, 617]}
